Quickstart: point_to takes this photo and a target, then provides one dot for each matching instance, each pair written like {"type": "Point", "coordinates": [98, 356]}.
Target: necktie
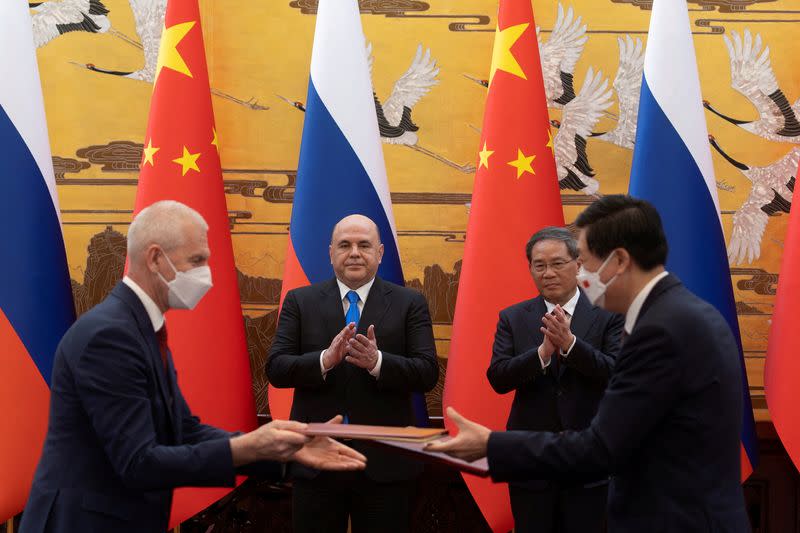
{"type": "Point", "coordinates": [161, 335]}
{"type": "Point", "coordinates": [353, 314]}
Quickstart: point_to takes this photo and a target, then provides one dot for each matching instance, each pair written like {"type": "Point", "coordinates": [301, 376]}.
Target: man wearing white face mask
{"type": "Point", "coordinates": [121, 436]}
{"type": "Point", "coordinates": [668, 427]}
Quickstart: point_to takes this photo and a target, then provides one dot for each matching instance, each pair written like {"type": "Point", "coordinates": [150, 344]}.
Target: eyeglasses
{"type": "Point", "coordinates": [557, 266]}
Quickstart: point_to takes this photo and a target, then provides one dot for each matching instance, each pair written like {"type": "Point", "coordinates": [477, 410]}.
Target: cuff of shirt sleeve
{"type": "Point", "coordinates": [322, 365]}
{"type": "Point", "coordinates": [571, 346]}
{"type": "Point", "coordinates": [544, 365]}
{"type": "Point", "coordinates": [376, 372]}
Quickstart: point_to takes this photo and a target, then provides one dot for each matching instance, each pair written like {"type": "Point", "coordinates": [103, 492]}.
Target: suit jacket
{"type": "Point", "coordinates": [668, 427]}
{"type": "Point", "coordinates": [120, 435]}
{"type": "Point", "coordinates": [565, 394]}
{"type": "Point", "coordinates": [310, 318]}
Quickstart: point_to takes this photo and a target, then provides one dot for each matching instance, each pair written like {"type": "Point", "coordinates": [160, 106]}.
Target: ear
{"type": "Point", "coordinates": [624, 259]}
{"type": "Point", "coordinates": [380, 253]}
{"type": "Point", "coordinates": [151, 257]}
{"type": "Point", "coordinates": [330, 252]}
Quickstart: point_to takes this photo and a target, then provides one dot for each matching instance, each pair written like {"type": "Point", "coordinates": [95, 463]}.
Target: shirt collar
{"type": "Point", "coordinates": [362, 291]}
{"type": "Point", "coordinates": [156, 316]}
{"type": "Point", "coordinates": [569, 307]}
{"type": "Point", "coordinates": [636, 305]}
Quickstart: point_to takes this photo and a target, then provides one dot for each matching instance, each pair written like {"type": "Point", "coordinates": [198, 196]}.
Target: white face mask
{"type": "Point", "coordinates": [188, 288]}
{"type": "Point", "coordinates": [590, 282]}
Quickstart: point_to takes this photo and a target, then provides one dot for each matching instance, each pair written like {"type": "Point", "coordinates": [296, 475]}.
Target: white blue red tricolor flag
{"type": "Point", "coordinates": [341, 169]}
{"type": "Point", "coordinates": [35, 296]}
{"type": "Point", "coordinates": [672, 169]}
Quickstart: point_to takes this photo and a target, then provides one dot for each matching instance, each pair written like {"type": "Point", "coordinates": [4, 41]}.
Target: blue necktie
{"type": "Point", "coordinates": [353, 313]}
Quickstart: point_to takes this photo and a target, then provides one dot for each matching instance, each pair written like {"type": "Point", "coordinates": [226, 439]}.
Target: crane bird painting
{"type": "Point", "coordinates": [559, 55]}
{"type": "Point", "coordinates": [579, 118]}
{"type": "Point", "coordinates": [51, 19]}
{"type": "Point", "coordinates": [771, 191]}
{"type": "Point", "coordinates": [57, 17]}
{"type": "Point", "coordinates": [752, 77]}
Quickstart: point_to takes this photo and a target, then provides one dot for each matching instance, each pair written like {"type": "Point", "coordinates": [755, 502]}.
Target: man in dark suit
{"type": "Point", "coordinates": [120, 434]}
{"type": "Point", "coordinates": [556, 351]}
{"type": "Point", "coordinates": [357, 345]}
{"type": "Point", "coordinates": [668, 427]}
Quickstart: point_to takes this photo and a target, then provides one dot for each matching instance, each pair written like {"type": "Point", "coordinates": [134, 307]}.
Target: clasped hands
{"type": "Point", "coordinates": [357, 349]}
{"type": "Point", "coordinates": [283, 440]}
{"type": "Point", "coordinates": [557, 333]}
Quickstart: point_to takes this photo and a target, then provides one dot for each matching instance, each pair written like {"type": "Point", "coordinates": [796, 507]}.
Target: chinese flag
{"type": "Point", "coordinates": [516, 193]}
{"type": "Point", "coordinates": [181, 162]}
{"type": "Point", "coordinates": [782, 372]}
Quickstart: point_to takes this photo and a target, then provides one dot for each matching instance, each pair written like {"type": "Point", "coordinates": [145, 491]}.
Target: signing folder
{"type": "Point", "coordinates": [408, 441]}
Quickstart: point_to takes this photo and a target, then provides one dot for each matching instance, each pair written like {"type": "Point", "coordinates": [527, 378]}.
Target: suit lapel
{"type": "Point", "coordinates": [582, 321]}
{"type": "Point", "coordinates": [583, 318]}
{"type": "Point", "coordinates": [145, 327]}
{"type": "Point", "coordinates": [331, 307]}
{"type": "Point", "coordinates": [378, 302]}
{"type": "Point", "coordinates": [172, 383]}
{"type": "Point", "coordinates": [536, 310]}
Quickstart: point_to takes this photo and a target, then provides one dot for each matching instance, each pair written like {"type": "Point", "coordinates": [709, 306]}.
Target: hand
{"type": "Point", "coordinates": [556, 328]}
{"type": "Point", "coordinates": [276, 441]}
{"type": "Point", "coordinates": [324, 453]}
{"type": "Point", "coordinates": [338, 348]}
{"type": "Point", "coordinates": [363, 351]}
{"type": "Point", "coordinates": [546, 349]}
{"type": "Point", "coordinates": [470, 443]}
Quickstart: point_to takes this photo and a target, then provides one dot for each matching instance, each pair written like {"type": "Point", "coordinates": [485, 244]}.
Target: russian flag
{"type": "Point", "coordinates": [341, 169]}
{"type": "Point", "coordinates": [672, 169]}
{"type": "Point", "coordinates": [36, 305]}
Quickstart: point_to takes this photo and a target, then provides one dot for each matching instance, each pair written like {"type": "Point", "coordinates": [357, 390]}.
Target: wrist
{"type": "Point", "coordinates": [242, 450]}
{"type": "Point", "coordinates": [565, 347]}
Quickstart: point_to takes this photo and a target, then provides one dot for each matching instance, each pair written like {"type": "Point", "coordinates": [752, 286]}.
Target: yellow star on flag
{"type": "Point", "coordinates": [168, 55]}
{"type": "Point", "coordinates": [149, 151]}
{"type": "Point", "coordinates": [215, 142]}
{"type": "Point", "coordinates": [484, 155]}
{"type": "Point", "coordinates": [523, 163]}
{"type": "Point", "coordinates": [502, 57]}
{"type": "Point", "coordinates": [187, 161]}
{"type": "Point", "coordinates": [550, 141]}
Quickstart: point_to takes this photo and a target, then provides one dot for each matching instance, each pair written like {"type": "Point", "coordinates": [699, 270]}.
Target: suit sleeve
{"type": "Point", "coordinates": [286, 366]}
{"type": "Point", "coordinates": [598, 363]}
{"type": "Point", "coordinates": [508, 370]}
{"type": "Point", "coordinates": [195, 432]}
{"type": "Point", "coordinates": [417, 370]}
{"type": "Point", "coordinates": [644, 386]}
{"type": "Point", "coordinates": [111, 377]}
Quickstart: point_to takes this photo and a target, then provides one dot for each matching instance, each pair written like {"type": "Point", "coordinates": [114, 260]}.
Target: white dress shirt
{"type": "Point", "coordinates": [363, 294]}
{"type": "Point", "coordinates": [157, 318]}
{"type": "Point", "coordinates": [636, 304]}
{"type": "Point", "coordinates": [569, 308]}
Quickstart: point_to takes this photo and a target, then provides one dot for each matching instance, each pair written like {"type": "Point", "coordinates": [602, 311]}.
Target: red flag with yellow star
{"type": "Point", "coordinates": [181, 162]}
{"type": "Point", "coordinates": [516, 193]}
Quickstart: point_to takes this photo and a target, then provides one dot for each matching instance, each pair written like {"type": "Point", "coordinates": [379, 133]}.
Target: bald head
{"type": "Point", "coordinates": [356, 221]}
{"type": "Point", "coordinates": [166, 224]}
{"type": "Point", "coordinates": [355, 250]}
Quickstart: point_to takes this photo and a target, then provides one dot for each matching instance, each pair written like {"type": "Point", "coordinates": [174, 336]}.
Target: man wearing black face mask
{"type": "Point", "coordinates": [121, 435]}
{"type": "Point", "coordinates": [668, 427]}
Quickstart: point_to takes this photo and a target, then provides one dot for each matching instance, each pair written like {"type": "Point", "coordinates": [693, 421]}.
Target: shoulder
{"type": "Point", "coordinates": [520, 307]}
{"type": "Point", "coordinates": [312, 291]}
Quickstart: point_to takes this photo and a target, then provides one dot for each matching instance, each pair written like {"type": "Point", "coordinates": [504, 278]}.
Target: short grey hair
{"type": "Point", "coordinates": [160, 223]}
{"type": "Point", "coordinates": [553, 233]}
